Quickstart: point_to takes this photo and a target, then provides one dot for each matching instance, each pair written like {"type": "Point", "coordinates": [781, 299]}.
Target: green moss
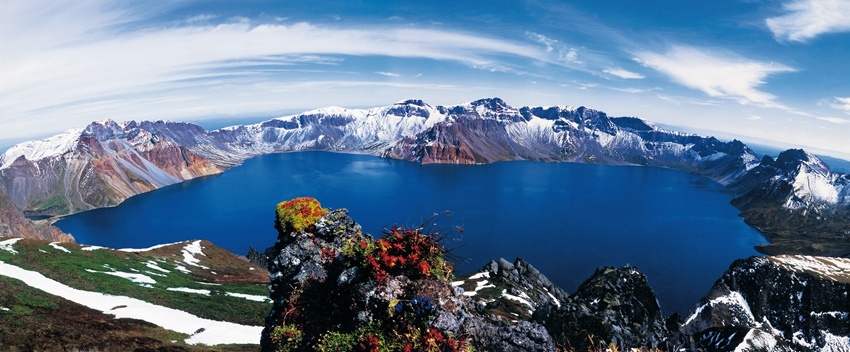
{"type": "Point", "coordinates": [337, 342]}
{"type": "Point", "coordinates": [298, 214]}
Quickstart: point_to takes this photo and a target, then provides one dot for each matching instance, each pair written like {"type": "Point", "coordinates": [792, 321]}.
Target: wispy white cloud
{"type": "Point", "coordinates": [562, 53]}
{"type": "Point", "coordinates": [841, 104]}
{"type": "Point", "coordinates": [807, 19]}
{"type": "Point", "coordinates": [633, 90]}
{"type": "Point", "coordinates": [717, 74]}
{"type": "Point", "coordinates": [685, 100]}
{"type": "Point", "coordinates": [835, 120]}
{"type": "Point", "coordinates": [624, 74]}
{"type": "Point", "coordinates": [85, 59]}
{"type": "Point", "coordinates": [388, 74]}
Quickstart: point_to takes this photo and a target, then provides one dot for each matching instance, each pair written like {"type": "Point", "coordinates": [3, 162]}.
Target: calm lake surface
{"type": "Point", "coordinates": [565, 219]}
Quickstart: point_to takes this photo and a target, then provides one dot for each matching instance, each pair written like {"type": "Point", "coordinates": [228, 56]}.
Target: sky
{"type": "Point", "coordinates": [768, 71]}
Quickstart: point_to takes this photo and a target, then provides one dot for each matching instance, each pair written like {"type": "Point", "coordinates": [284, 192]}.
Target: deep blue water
{"type": "Point", "coordinates": [566, 219]}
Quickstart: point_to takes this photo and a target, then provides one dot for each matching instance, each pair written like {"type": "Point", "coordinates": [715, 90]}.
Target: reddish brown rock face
{"type": "Point", "coordinates": [14, 224]}
{"type": "Point", "coordinates": [180, 162]}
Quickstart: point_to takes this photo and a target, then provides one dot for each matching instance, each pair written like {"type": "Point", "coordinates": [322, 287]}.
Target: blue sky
{"type": "Point", "coordinates": [765, 71]}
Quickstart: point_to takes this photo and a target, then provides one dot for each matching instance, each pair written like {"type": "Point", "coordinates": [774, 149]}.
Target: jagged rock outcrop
{"type": "Point", "coordinates": [513, 291]}
{"type": "Point", "coordinates": [14, 224]}
{"type": "Point", "coordinates": [777, 303]}
{"type": "Point", "coordinates": [615, 307]}
{"type": "Point", "coordinates": [330, 282]}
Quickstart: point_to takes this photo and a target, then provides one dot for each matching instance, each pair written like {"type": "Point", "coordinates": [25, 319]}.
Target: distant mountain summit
{"type": "Point", "coordinates": [106, 162]}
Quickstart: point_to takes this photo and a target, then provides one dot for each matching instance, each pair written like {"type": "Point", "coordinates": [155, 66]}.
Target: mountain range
{"type": "Point", "coordinates": [795, 200]}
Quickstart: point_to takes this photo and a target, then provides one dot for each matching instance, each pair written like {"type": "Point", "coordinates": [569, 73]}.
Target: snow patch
{"type": "Point", "coordinates": [7, 245]}
{"type": "Point", "coordinates": [190, 252]}
{"type": "Point", "coordinates": [837, 269]}
{"type": "Point", "coordinates": [153, 265]}
{"type": "Point", "coordinates": [92, 248]}
{"type": "Point", "coordinates": [202, 331]}
{"type": "Point", "coordinates": [137, 278]}
{"type": "Point", "coordinates": [182, 269]}
{"type": "Point", "coordinates": [256, 298]}
{"type": "Point", "coordinates": [757, 340]}
{"type": "Point", "coordinates": [190, 290]}
{"type": "Point", "coordinates": [57, 246]}
{"type": "Point", "coordinates": [522, 298]}
{"type": "Point", "coordinates": [135, 250]}
{"type": "Point", "coordinates": [834, 343]}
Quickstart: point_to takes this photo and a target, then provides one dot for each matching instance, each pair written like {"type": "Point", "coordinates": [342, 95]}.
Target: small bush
{"type": "Point", "coordinates": [401, 252]}
{"type": "Point", "coordinates": [286, 337]}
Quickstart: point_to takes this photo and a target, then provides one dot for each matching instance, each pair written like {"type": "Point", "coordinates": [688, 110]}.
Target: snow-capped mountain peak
{"type": "Point", "coordinates": [41, 149]}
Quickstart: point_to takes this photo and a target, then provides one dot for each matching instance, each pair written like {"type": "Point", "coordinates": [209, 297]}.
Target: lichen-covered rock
{"type": "Point", "coordinates": [297, 214]}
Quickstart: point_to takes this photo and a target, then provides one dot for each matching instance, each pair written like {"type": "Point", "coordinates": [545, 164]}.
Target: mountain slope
{"type": "Point", "coordinates": [799, 302]}
{"type": "Point", "coordinates": [98, 166]}
{"type": "Point", "coordinates": [793, 199]}
{"type": "Point", "coordinates": [107, 162]}
{"type": "Point", "coordinates": [203, 292]}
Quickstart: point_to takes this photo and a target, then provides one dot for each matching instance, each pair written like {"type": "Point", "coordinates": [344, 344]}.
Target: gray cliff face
{"type": "Point", "coordinates": [777, 303]}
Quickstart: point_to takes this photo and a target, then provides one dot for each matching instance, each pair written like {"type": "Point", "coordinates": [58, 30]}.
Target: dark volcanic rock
{"type": "Point", "coordinates": [615, 306]}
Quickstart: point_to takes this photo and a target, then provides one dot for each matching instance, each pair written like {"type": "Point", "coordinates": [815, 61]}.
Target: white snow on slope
{"type": "Point", "coordinates": [255, 298]}
{"type": "Point", "coordinates": [45, 148]}
{"type": "Point", "coordinates": [57, 246]}
{"type": "Point", "coordinates": [834, 343]}
{"type": "Point", "coordinates": [153, 265]}
{"type": "Point", "coordinates": [837, 269]}
{"type": "Point", "coordinates": [137, 278]}
{"type": "Point", "coordinates": [92, 248]}
{"type": "Point", "coordinates": [812, 186]}
{"type": "Point", "coordinates": [191, 251]}
{"type": "Point", "coordinates": [136, 250]}
{"type": "Point", "coordinates": [214, 333]}
{"type": "Point", "coordinates": [7, 245]}
{"type": "Point", "coordinates": [190, 290]}
{"type": "Point", "coordinates": [757, 340]}
{"type": "Point", "coordinates": [732, 299]}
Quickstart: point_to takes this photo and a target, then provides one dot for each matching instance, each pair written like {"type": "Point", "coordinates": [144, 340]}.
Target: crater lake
{"type": "Point", "coordinates": [566, 219]}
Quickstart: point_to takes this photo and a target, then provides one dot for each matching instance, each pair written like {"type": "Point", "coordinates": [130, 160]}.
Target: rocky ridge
{"type": "Point", "coordinates": [797, 303]}
{"type": "Point", "coordinates": [794, 200]}
{"type": "Point", "coordinates": [779, 303]}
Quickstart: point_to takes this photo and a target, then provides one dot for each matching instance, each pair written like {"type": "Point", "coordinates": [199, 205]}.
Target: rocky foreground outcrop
{"type": "Point", "coordinates": [797, 303]}
{"type": "Point", "coordinates": [336, 288]}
